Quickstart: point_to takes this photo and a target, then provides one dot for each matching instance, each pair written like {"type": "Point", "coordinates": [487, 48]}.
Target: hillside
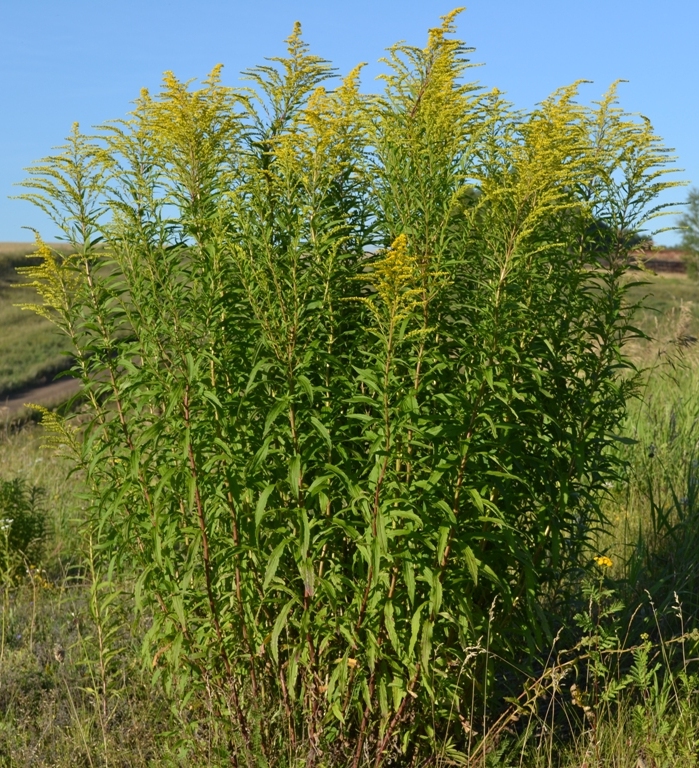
{"type": "Point", "coordinates": [31, 350]}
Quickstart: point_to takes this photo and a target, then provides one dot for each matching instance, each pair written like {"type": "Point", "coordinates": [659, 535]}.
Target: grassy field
{"type": "Point", "coordinates": [31, 351]}
{"type": "Point", "coordinates": [667, 300]}
{"type": "Point", "coordinates": [74, 693]}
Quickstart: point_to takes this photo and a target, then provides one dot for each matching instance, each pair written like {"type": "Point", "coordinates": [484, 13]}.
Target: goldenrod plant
{"type": "Point", "coordinates": [352, 366]}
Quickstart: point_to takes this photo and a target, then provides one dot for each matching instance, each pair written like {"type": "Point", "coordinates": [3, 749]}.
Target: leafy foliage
{"type": "Point", "coordinates": [353, 367]}
{"type": "Point", "coordinates": [21, 523]}
{"type": "Point", "coordinates": [689, 222]}
{"type": "Point", "coordinates": [689, 226]}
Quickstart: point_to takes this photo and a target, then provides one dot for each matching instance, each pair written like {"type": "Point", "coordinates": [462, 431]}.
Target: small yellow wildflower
{"type": "Point", "coordinates": [395, 275]}
{"type": "Point", "coordinates": [603, 561]}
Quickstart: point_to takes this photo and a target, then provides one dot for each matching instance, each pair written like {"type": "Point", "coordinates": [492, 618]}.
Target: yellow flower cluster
{"type": "Point", "coordinates": [395, 277]}
{"type": "Point", "coordinates": [53, 280]}
{"type": "Point", "coordinates": [37, 578]}
{"type": "Point", "coordinates": [603, 561]}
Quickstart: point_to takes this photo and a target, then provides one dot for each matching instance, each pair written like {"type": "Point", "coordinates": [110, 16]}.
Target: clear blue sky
{"type": "Point", "coordinates": [67, 60]}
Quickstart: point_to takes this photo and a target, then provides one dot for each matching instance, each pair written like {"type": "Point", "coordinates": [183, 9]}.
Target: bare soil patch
{"type": "Point", "coordinates": [16, 408]}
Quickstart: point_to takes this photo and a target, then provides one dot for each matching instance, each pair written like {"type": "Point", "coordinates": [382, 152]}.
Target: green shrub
{"type": "Point", "coordinates": [353, 367]}
{"type": "Point", "coordinates": [22, 524]}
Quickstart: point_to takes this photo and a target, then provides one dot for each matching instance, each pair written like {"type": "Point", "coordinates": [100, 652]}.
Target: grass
{"type": "Point", "coordinates": [664, 297]}
{"type": "Point", "coordinates": [74, 693]}
{"type": "Point", "coordinates": [60, 704]}
{"type": "Point", "coordinates": [31, 350]}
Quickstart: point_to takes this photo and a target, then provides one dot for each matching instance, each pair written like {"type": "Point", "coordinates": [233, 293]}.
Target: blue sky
{"type": "Point", "coordinates": [68, 60]}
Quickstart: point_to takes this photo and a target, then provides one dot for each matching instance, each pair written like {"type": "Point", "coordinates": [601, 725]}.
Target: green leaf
{"type": "Point", "coordinates": [307, 573]}
{"type": "Point", "coordinates": [426, 645]}
{"type": "Point", "coordinates": [322, 431]}
{"type": "Point", "coordinates": [178, 607]}
{"type": "Point", "coordinates": [273, 563]}
{"type": "Point", "coordinates": [279, 625]}
{"type": "Point", "coordinates": [414, 629]}
{"type": "Point", "coordinates": [443, 541]}
{"type": "Point", "coordinates": [471, 563]}
{"type": "Point", "coordinates": [305, 533]}
{"type": "Point", "coordinates": [262, 504]}
{"type": "Point", "coordinates": [383, 698]}
{"type": "Point", "coordinates": [212, 398]}
{"type": "Point", "coordinates": [391, 627]}
{"type": "Point", "coordinates": [278, 407]}
{"type": "Point", "coordinates": [307, 387]}
{"type": "Point", "coordinates": [318, 485]}
{"type": "Point", "coordinates": [253, 375]}
{"type": "Point", "coordinates": [406, 514]}
{"type": "Point", "coordinates": [295, 475]}
{"type": "Point", "coordinates": [436, 595]}
{"type": "Point", "coordinates": [409, 576]}
{"type": "Point", "coordinates": [477, 498]}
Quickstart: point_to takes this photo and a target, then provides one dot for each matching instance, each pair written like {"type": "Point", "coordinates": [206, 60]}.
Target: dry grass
{"type": "Point", "coordinates": [54, 709]}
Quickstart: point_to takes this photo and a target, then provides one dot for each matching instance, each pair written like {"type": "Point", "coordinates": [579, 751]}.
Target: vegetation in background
{"type": "Point", "coordinates": [30, 347]}
{"type": "Point", "coordinates": [21, 524]}
{"type": "Point", "coordinates": [56, 637]}
{"type": "Point", "coordinates": [689, 227]}
{"type": "Point", "coordinates": [352, 400]}
{"type": "Point", "coordinates": [667, 311]}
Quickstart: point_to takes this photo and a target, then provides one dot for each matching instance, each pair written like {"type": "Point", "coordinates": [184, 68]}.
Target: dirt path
{"type": "Point", "coordinates": [49, 395]}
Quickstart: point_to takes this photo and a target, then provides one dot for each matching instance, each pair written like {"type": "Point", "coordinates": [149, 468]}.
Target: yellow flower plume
{"type": "Point", "coordinates": [395, 277]}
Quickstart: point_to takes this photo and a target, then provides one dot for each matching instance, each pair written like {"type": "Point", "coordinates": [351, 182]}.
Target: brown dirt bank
{"type": "Point", "coordinates": [14, 408]}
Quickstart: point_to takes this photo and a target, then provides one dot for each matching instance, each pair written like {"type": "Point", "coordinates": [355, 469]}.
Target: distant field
{"type": "Point", "coordinates": [31, 350]}
{"type": "Point", "coordinates": [670, 304]}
